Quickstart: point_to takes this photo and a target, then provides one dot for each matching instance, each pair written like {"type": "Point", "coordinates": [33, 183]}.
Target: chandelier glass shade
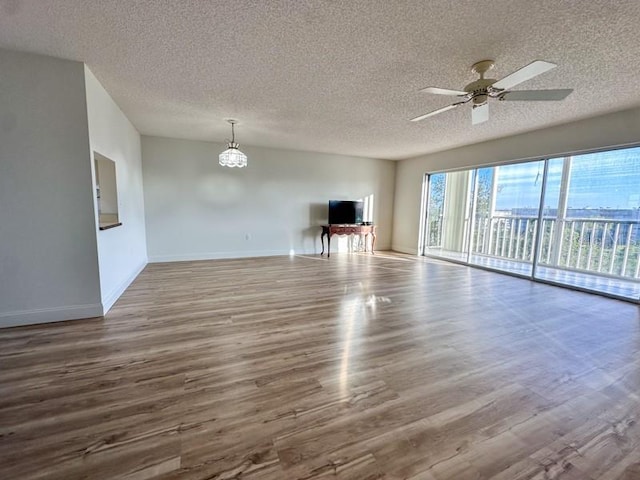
{"type": "Point", "coordinates": [232, 156]}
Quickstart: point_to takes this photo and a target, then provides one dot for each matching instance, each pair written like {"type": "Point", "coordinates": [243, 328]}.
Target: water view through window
{"type": "Point", "coordinates": [571, 220]}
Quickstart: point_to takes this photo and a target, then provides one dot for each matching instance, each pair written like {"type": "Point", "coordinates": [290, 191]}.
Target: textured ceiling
{"type": "Point", "coordinates": [335, 76]}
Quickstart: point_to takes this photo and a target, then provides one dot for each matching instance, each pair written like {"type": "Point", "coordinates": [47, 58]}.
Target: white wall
{"type": "Point", "coordinates": [122, 250]}
{"type": "Point", "coordinates": [196, 209]}
{"type": "Point", "coordinates": [616, 129]}
{"type": "Point", "coordinates": [48, 257]}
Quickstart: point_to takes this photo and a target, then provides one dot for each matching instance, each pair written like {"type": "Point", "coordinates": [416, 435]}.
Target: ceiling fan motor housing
{"type": "Point", "coordinates": [479, 90]}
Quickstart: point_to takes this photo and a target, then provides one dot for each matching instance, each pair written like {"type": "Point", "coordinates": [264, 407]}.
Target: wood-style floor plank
{"type": "Point", "coordinates": [355, 367]}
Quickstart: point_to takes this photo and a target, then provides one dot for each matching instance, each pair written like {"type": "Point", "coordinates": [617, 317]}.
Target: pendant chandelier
{"type": "Point", "coordinates": [232, 157]}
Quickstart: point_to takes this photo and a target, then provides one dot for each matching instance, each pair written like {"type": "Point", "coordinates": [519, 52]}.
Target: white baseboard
{"type": "Point", "coordinates": [111, 298]}
{"type": "Point", "coordinates": [188, 257]}
{"type": "Point", "coordinates": [191, 257]}
{"type": "Point", "coordinates": [46, 315]}
{"type": "Point", "coordinates": [401, 249]}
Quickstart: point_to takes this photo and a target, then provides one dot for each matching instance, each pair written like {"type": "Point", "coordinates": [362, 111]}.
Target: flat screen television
{"type": "Point", "coordinates": [345, 212]}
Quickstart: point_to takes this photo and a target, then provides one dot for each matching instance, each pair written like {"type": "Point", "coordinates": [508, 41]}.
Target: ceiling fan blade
{"type": "Point", "coordinates": [536, 95]}
{"type": "Point", "coordinates": [525, 73]}
{"type": "Point", "coordinates": [480, 114]}
{"type": "Point", "coordinates": [444, 91]}
{"type": "Point", "coordinates": [435, 112]}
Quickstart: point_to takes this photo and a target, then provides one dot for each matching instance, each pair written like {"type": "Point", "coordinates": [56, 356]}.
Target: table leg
{"type": "Point", "coordinates": [322, 241]}
{"type": "Point", "coordinates": [373, 241]}
{"type": "Point", "coordinates": [329, 245]}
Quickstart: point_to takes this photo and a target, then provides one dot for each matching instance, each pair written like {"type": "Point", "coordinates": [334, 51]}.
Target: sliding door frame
{"type": "Point", "coordinates": [539, 230]}
{"type": "Point", "coordinates": [425, 216]}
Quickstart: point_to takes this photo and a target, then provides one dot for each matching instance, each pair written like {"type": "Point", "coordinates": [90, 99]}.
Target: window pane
{"type": "Point", "coordinates": [507, 216]}
{"type": "Point", "coordinates": [435, 210]}
{"type": "Point", "coordinates": [592, 237]}
{"type": "Point", "coordinates": [448, 215]}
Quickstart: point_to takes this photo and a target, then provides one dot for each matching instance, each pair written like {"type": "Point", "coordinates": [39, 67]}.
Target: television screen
{"type": "Point", "coordinates": [345, 212]}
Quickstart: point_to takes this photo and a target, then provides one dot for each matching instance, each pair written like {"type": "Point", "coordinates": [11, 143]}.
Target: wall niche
{"type": "Point", "coordinates": [106, 192]}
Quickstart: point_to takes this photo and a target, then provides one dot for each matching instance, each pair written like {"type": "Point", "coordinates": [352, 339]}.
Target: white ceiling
{"type": "Point", "coordinates": [335, 76]}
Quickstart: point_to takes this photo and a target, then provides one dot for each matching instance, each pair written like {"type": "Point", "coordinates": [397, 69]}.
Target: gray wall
{"type": "Point", "coordinates": [196, 209]}
{"type": "Point", "coordinates": [48, 255]}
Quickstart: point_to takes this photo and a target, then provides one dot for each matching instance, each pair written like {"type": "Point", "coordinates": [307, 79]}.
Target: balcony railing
{"type": "Point", "coordinates": [610, 247]}
{"type": "Point", "coordinates": [605, 247]}
{"type": "Point", "coordinates": [505, 237]}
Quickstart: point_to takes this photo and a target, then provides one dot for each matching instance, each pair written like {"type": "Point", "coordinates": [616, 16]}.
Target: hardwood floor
{"type": "Point", "coordinates": [356, 367]}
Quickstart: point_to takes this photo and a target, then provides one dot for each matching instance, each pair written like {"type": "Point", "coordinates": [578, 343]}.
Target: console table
{"type": "Point", "coordinates": [365, 230]}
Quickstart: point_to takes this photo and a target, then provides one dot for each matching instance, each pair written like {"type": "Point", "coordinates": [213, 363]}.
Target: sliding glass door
{"type": "Point", "coordinates": [572, 220]}
{"type": "Point", "coordinates": [448, 215]}
{"type": "Point", "coordinates": [592, 236]}
{"type": "Point", "coordinates": [506, 217]}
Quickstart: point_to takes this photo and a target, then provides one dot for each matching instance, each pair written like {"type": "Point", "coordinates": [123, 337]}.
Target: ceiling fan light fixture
{"type": "Point", "coordinates": [232, 156]}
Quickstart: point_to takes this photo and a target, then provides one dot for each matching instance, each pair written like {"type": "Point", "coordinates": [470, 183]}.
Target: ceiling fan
{"type": "Point", "coordinates": [481, 90]}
